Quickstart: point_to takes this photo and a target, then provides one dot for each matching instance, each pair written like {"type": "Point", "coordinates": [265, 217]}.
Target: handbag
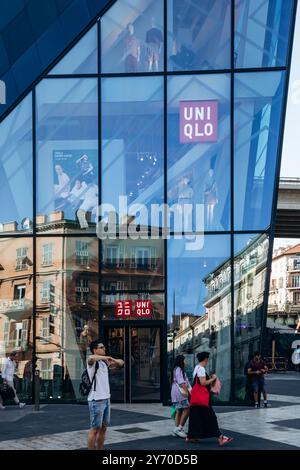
{"type": "Point", "coordinates": [173, 412]}
{"type": "Point", "coordinates": [216, 387]}
{"type": "Point", "coordinates": [199, 395]}
{"type": "Point", "coordinates": [182, 390]}
{"type": "Point", "coordinates": [6, 391]}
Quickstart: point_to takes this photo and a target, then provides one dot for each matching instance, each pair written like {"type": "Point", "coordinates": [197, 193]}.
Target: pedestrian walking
{"type": "Point", "coordinates": [257, 370]}
{"type": "Point", "coordinates": [296, 358]}
{"type": "Point", "coordinates": [99, 396]}
{"type": "Point", "coordinates": [7, 373]}
{"type": "Point", "coordinates": [203, 421]}
{"type": "Point", "coordinates": [179, 396]}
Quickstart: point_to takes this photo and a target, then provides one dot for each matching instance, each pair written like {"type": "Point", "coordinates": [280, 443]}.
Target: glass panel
{"type": "Point", "coordinates": [82, 58]}
{"type": "Point", "coordinates": [199, 148]}
{"type": "Point", "coordinates": [262, 32]}
{"type": "Point", "coordinates": [116, 348]}
{"type": "Point", "coordinates": [199, 34]}
{"type": "Point", "coordinates": [67, 163]}
{"type": "Point", "coordinates": [16, 169]}
{"type": "Point", "coordinates": [125, 306]}
{"type": "Point", "coordinates": [132, 265]}
{"type": "Point", "coordinates": [133, 143]}
{"type": "Point", "coordinates": [199, 304]}
{"type": "Point", "coordinates": [16, 324]}
{"type": "Point", "coordinates": [283, 320]}
{"type": "Point", "coordinates": [67, 312]}
{"type": "Point", "coordinates": [132, 37]}
{"type": "Point", "coordinates": [258, 104]}
{"type": "Point", "coordinates": [250, 266]}
{"type": "Point", "coordinates": [145, 364]}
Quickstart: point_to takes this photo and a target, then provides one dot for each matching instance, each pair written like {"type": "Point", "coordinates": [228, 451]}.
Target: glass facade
{"type": "Point", "coordinates": [168, 115]}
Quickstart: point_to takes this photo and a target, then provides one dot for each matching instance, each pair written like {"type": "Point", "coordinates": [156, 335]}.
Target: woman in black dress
{"type": "Point", "coordinates": [203, 421]}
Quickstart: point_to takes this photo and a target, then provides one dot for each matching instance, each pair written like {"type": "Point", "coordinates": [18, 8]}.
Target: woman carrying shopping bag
{"type": "Point", "coordinates": [179, 396]}
{"type": "Point", "coordinates": [203, 420]}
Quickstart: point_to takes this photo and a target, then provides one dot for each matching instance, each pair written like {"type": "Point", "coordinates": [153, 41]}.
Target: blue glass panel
{"type": "Point", "coordinates": [199, 302]}
{"type": "Point", "coordinates": [133, 141]}
{"type": "Point", "coordinates": [262, 30]}
{"type": "Point", "coordinates": [16, 169]}
{"type": "Point", "coordinates": [258, 104]}
{"type": "Point", "coordinates": [67, 145]}
{"type": "Point", "coordinates": [199, 34]}
{"type": "Point", "coordinates": [250, 266]}
{"type": "Point", "coordinates": [82, 58]}
{"type": "Point", "coordinates": [199, 147]}
{"type": "Point", "coordinates": [132, 37]}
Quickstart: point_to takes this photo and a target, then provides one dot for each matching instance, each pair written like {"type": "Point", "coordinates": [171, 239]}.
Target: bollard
{"type": "Point", "coordinates": [37, 390]}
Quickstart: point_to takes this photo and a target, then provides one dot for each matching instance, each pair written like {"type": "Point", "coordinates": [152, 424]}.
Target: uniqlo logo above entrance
{"type": "Point", "coordinates": [124, 308]}
{"type": "Point", "coordinates": [143, 308]}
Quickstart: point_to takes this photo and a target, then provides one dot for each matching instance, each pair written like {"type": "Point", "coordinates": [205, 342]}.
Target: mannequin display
{"type": "Point", "coordinates": [132, 50]}
{"type": "Point", "coordinates": [154, 40]}
{"type": "Point", "coordinates": [210, 197]}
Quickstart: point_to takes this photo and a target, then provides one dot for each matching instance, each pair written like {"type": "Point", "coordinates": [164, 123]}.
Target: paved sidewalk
{"type": "Point", "coordinates": [149, 427]}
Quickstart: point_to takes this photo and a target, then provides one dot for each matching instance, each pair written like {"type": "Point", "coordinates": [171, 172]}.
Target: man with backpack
{"type": "Point", "coordinates": [99, 394]}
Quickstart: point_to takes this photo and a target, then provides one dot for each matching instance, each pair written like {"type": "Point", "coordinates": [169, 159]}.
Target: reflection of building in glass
{"type": "Point", "coordinates": [85, 133]}
{"type": "Point", "coordinates": [284, 293]}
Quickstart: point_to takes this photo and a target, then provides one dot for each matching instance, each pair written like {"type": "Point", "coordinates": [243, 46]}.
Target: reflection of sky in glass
{"type": "Point", "coordinates": [16, 164]}
{"type": "Point", "coordinates": [206, 166]}
{"type": "Point", "coordinates": [187, 269]}
{"type": "Point", "coordinates": [132, 145]}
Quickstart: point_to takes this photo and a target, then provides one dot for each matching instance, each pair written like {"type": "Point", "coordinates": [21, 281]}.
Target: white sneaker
{"type": "Point", "coordinates": [2, 407]}
{"type": "Point", "coordinates": [21, 405]}
{"type": "Point", "coordinates": [179, 432]}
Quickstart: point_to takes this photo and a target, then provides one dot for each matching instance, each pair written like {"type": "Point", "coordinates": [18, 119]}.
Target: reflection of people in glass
{"type": "Point", "coordinates": [154, 40]}
{"type": "Point", "coordinates": [132, 50]}
{"type": "Point", "coordinates": [210, 196]}
{"type": "Point", "coordinates": [62, 189]}
{"type": "Point", "coordinates": [85, 336]}
{"type": "Point", "coordinates": [185, 196]}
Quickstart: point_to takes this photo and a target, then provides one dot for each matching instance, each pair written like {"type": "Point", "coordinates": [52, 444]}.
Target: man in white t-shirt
{"type": "Point", "coordinates": [99, 397]}
{"type": "Point", "coordinates": [7, 372]}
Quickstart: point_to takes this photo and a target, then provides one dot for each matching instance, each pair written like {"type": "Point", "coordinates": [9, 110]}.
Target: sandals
{"type": "Point", "coordinates": [225, 440]}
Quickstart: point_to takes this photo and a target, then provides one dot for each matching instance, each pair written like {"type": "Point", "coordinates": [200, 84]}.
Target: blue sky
{"type": "Point", "coordinates": [290, 163]}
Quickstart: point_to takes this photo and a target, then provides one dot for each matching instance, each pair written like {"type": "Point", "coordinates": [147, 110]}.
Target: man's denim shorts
{"type": "Point", "coordinates": [99, 413]}
{"type": "Point", "coordinates": [258, 385]}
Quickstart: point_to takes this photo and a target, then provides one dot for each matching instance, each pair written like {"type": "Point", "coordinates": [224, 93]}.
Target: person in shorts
{"type": "Point", "coordinates": [179, 396]}
{"type": "Point", "coordinates": [256, 371]}
{"type": "Point", "coordinates": [99, 396]}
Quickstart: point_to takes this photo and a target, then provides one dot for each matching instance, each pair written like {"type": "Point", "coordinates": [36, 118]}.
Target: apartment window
{"type": "Point", "coordinates": [82, 253]}
{"type": "Point", "coordinates": [19, 292]}
{"type": "Point", "coordinates": [296, 298]}
{"type": "Point", "coordinates": [112, 257]}
{"type": "Point", "coordinates": [45, 328]}
{"type": "Point", "coordinates": [295, 281]}
{"type": "Point", "coordinates": [21, 261]}
{"type": "Point", "coordinates": [82, 290]}
{"type": "Point", "coordinates": [46, 369]}
{"type": "Point", "coordinates": [280, 282]}
{"type": "Point", "coordinates": [297, 263]}
{"type": "Point", "coordinates": [48, 254]}
{"type": "Point", "coordinates": [45, 291]}
{"type": "Point", "coordinates": [142, 258]}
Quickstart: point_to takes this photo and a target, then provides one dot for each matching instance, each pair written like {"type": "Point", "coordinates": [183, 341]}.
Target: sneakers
{"type": "Point", "coordinates": [256, 405]}
{"type": "Point", "coordinates": [179, 432]}
{"type": "Point", "coordinates": [2, 407]}
{"type": "Point", "coordinates": [266, 404]}
{"type": "Point", "coordinates": [21, 405]}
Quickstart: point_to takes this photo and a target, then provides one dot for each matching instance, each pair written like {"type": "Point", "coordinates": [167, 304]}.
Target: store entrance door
{"type": "Point", "coordinates": [139, 380]}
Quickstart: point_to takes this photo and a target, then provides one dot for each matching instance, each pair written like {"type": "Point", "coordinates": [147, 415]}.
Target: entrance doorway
{"type": "Point", "coordinates": [140, 349]}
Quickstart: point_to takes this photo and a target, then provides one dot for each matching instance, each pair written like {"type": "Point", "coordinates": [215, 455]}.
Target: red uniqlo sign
{"type": "Point", "coordinates": [123, 308]}
{"type": "Point", "coordinates": [143, 308]}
